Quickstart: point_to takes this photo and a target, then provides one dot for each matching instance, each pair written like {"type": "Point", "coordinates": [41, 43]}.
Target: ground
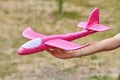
{"type": "Point", "coordinates": [16, 15]}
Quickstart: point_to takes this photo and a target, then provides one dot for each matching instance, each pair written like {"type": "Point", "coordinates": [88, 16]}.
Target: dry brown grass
{"type": "Point", "coordinates": [15, 15]}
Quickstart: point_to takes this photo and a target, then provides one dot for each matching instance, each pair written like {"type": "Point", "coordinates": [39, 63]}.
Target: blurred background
{"type": "Point", "coordinates": [55, 17]}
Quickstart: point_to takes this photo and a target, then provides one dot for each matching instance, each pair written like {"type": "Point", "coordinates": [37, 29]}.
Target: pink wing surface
{"type": "Point", "coordinates": [62, 44]}
{"type": "Point", "coordinates": [82, 24]}
{"type": "Point", "coordinates": [99, 27]}
{"type": "Point", "coordinates": [30, 34]}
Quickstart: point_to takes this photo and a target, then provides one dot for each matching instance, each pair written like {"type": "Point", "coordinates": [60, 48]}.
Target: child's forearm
{"type": "Point", "coordinates": [104, 45]}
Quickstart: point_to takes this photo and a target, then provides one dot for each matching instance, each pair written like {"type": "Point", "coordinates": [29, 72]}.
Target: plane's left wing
{"type": "Point", "coordinates": [63, 44]}
{"type": "Point", "coordinates": [30, 34]}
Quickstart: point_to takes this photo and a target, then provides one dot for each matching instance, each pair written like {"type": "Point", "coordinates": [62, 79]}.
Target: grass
{"type": "Point", "coordinates": [102, 78]}
{"type": "Point", "coordinates": [15, 16]}
{"type": "Point", "coordinates": [67, 14]}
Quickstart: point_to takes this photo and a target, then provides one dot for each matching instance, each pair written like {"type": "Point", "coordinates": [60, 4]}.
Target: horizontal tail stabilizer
{"type": "Point", "coordinates": [99, 28]}
{"type": "Point", "coordinates": [82, 25]}
{"type": "Point", "coordinates": [95, 27]}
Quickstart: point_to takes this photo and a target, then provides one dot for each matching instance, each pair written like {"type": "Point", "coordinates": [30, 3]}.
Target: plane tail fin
{"type": "Point", "coordinates": [93, 22]}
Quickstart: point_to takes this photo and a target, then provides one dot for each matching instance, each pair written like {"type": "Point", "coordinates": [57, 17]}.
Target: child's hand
{"type": "Point", "coordinates": [104, 45]}
{"type": "Point", "coordinates": [62, 54]}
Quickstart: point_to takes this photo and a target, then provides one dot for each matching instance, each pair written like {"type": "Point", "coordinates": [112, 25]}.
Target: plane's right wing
{"type": "Point", "coordinates": [30, 34]}
{"type": "Point", "coordinates": [63, 44]}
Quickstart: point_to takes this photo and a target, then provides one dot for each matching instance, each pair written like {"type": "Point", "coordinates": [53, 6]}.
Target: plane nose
{"type": "Point", "coordinates": [21, 51]}
{"type": "Point", "coordinates": [29, 47]}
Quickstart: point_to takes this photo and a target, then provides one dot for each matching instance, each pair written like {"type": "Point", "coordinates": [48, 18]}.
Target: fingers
{"type": "Point", "coordinates": [57, 53]}
{"type": "Point", "coordinates": [62, 54]}
{"type": "Point", "coordinates": [50, 50]}
{"type": "Point", "coordinates": [54, 52]}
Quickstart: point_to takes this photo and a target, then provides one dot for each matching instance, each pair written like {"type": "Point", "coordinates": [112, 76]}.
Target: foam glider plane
{"type": "Point", "coordinates": [39, 42]}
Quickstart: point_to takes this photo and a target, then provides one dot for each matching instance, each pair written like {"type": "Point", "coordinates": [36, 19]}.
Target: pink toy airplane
{"type": "Point", "coordinates": [42, 42]}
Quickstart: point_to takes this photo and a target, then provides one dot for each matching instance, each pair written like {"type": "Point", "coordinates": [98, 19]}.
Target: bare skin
{"type": "Point", "coordinates": [104, 45]}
